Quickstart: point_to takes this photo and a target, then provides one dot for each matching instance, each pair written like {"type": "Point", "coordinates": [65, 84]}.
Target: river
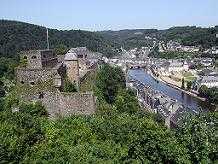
{"type": "Point", "coordinates": [176, 94]}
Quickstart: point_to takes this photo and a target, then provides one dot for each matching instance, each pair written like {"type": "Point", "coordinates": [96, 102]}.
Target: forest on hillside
{"type": "Point", "coordinates": [187, 35]}
{"type": "Point", "coordinates": [191, 35]}
{"type": "Point", "coordinates": [16, 36]}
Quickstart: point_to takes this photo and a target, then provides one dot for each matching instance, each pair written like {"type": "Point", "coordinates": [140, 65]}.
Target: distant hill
{"type": "Point", "coordinates": [187, 35]}
{"type": "Point", "coordinates": [129, 38]}
{"type": "Point", "coordinates": [126, 34]}
{"type": "Point", "coordinates": [16, 36]}
{"type": "Point", "coordinates": [191, 35]}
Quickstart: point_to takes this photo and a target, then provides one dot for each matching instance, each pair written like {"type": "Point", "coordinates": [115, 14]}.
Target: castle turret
{"type": "Point", "coordinates": [38, 59]}
{"type": "Point", "coordinates": [72, 65]}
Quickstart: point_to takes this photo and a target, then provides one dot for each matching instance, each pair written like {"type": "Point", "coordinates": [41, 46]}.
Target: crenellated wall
{"type": "Point", "coordinates": [25, 76]}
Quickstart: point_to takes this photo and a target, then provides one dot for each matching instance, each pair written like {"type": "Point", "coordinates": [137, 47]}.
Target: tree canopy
{"type": "Point", "coordinates": [187, 35]}
{"type": "Point", "coordinates": [16, 36]}
{"type": "Point", "coordinates": [211, 94]}
{"type": "Point", "coordinates": [108, 81]}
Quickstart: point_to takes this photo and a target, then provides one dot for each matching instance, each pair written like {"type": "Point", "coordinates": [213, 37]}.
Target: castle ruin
{"type": "Point", "coordinates": [43, 66]}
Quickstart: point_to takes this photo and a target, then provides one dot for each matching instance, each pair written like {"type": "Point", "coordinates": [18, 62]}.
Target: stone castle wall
{"type": "Point", "coordinates": [49, 63]}
{"type": "Point", "coordinates": [38, 59]}
{"type": "Point", "coordinates": [49, 59]}
{"type": "Point", "coordinates": [33, 58]}
{"type": "Point", "coordinates": [42, 66]}
{"type": "Point", "coordinates": [77, 103]}
{"type": "Point", "coordinates": [25, 76]}
{"type": "Point", "coordinates": [64, 104]}
{"type": "Point", "coordinates": [73, 71]}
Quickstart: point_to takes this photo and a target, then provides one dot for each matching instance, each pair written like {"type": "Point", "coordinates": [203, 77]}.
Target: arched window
{"type": "Point", "coordinates": [25, 57]}
{"type": "Point", "coordinates": [33, 57]}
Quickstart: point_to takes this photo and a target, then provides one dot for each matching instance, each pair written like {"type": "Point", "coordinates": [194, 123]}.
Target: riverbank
{"type": "Point", "coordinates": [175, 86]}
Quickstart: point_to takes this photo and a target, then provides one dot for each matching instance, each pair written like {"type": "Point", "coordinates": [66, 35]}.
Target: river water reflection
{"type": "Point", "coordinates": [182, 97]}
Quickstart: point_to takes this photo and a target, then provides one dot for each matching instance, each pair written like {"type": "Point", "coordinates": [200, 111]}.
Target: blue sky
{"type": "Point", "coordinates": [111, 14]}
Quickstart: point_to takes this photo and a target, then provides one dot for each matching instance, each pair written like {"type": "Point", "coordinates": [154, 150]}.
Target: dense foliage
{"type": "Point", "coordinates": [69, 86]}
{"type": "Point", "coordinates": [191, 35]}
{"type": "Point", "coordinates": [108, 82]}
{"type": "Point", "coordinates": [211, 94]}
{"type": "Point", "coordinates": [19, 131]}
{"type": "Point", "coordinates": [7, 66]}
{"type": "Point", "coordinates": [118, 133]}
{"type": "Point", "coordinates": [16, 36]}
{"type": "Point", "coordinates": [129, 38]}
{"type": "Point", "coordinates": [198, 135]}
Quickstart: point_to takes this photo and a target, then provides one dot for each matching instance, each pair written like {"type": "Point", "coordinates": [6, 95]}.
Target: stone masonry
{"type": "Point", "coordinates": [64, 104]}
{"type": "Point", "coordinates": [42, 66]}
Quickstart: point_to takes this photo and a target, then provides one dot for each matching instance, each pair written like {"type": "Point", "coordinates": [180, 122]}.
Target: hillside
{"type": "Point", "coordinates": [187, 35]}
{"type": "Point", "coordinates": [191, 35]}
{"type": "Point", "coordinates": [16, 36]}
{"type": "Point", "coordinates": [129, 38]}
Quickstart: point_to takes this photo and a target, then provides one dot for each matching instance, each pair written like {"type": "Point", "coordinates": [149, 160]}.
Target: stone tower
{"type": "Point", "coordinates": [38, 59]}
{"type": "Point", "coordinates": [72, 66]}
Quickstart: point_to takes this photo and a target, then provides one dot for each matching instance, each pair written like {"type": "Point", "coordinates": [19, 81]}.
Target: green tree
{"type": "Point", "coordinates": [118, 138]}
{"type": "Point", "coordinates": [19, 131]}
{"type": "Point", "coordinates": [7, 66]}
{"type": "Point", "coordinates": [189, 85]}
{"type": "Point", "coordinates": [126, 101]}
{"type": "Point", "coordinates": [198, 135]}
{"type": "Point", "coordinates": [2, 90]}
{"type": "Point", "coordinates": [108, 81]}
{"type": "Point", "coordinates": [23, 62]}
{"type": "Point", "coordinates": [212, 95]}
{"type": "Point", "coordinates": [203, 90]}
{"type": "Point", "coordinates": [34, 109]}
{"type": "Point", "coordinates": [69, 86]}
{"type": "Point", "coordinates": [183, 83]}
{"type": "Point", "coordinates": [61, 49]}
